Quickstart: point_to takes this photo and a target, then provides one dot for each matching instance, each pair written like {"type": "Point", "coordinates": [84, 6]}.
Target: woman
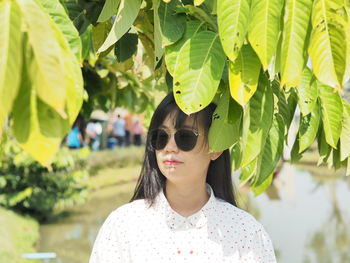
{"type": "Point", "coordinates": [183, 207]}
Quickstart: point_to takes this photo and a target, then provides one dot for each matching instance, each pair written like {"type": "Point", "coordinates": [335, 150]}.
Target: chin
{"type": "Point", "coordinates": [171, 172]}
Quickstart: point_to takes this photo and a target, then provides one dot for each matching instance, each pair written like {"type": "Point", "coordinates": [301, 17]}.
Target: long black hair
{"type": "Point", "coordinates": [152, 181]}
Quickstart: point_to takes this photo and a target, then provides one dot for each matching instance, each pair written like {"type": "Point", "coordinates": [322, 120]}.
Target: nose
{"type": "Point", "coordinates": [171, 145]}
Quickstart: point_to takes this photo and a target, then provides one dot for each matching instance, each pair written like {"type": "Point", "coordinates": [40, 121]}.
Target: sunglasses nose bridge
{"type": "Point", "coordinates": [171, 143]}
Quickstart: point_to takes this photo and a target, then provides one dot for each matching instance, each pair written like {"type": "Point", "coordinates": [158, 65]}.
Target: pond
{"type": "Point", "coordinates": [306, 213]}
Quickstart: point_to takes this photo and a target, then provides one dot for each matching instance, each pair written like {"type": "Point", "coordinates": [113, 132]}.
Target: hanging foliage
{"type": "Point", "coordinates": [258, 59]}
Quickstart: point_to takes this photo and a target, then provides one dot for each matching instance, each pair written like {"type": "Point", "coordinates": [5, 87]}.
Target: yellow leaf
{"type": "Point", "coordinates": [244, 75]}
{"type": "Point", "coordinates": [38, 128]}
{"type": "Point", "coordinates": [293, 57]}
{"type": "Point", "coordinates": [327, 47]}
{"type": "Point", "coordinates": [264, 29]}
{"type": "Point", "coordinates": [198, 2]}
{"type": "Point", "coordinates": [10, 58]}
{"type": "Point", "coordinates": [47, 71]}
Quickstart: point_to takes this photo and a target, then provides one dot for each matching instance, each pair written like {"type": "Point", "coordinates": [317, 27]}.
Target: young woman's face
{"type": "Point", "coordinates": [184, 167]}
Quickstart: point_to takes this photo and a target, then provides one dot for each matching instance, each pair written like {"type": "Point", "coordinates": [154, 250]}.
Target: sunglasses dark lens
{"type": "Point", "coordinates": [159, 139]}
{"type": "Point", "coordinates": [185, 139]}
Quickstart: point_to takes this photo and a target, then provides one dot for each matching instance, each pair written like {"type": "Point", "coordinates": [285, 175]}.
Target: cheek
{"type": "Point", "coordinates": [200, 160]}
{"type": "Point", "coordinates": [158, 158]}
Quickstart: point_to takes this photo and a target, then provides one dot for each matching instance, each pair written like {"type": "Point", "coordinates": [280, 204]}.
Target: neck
{"type": "Point", "coordinates": [186, 199]}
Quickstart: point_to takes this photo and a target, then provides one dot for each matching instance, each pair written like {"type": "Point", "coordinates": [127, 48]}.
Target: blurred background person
{"type": "Point", "coordinates": [137, 131]}
{"type": "Point", "coordinates": [119, 130]}
{"type": "Point", "coordinates": [128, 128]}
{"type": "Point", "coordinates": [93, 135]}
{"type": "Point", "coordinates": [74, 138]}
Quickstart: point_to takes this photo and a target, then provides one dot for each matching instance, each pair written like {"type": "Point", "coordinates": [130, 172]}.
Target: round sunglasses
{"type": "Point", "coordinates": [185, 139]}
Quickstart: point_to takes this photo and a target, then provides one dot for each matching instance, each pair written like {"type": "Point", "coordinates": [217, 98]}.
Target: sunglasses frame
{"type": "Point", "coordinates": [196, 133]}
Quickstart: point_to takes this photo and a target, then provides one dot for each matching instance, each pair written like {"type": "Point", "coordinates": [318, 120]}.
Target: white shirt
{"type": "Point", "coordinates": [219, 232]}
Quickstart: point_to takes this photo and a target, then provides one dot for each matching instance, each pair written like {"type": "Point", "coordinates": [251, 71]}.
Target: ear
{"type": "Point", "coordinates": [215, 155]}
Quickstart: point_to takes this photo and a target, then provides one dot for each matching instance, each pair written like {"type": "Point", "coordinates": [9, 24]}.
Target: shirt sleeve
{"type": "Point", "coordinates": [262, 249]}
{"type": "Point", "coordinates": [265, 247]}
{"type": "Point", "coordinates": [111, 245]}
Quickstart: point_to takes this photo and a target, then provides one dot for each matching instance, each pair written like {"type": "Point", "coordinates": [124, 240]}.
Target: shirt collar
{"type": "Point", "coordinates": [176, 221]}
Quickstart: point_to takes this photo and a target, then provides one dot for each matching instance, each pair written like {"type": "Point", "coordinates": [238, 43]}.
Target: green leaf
{"type": "Point", "coordinates": [73, 79]}
{"type": "Point", "coordinates": [148, 57]}
{"type": "Point", "coordinates": [59, 15]}
{"type": "Point", "coordinates": [172, 51]}
{"type": "Point", "coordinates": [77, 15]}
{"type": "Point", "coordinates": [126, 46]}
{"type": "Point", "coordinates": [237, 148]}
{"type": "Point", "coordinates": [281, 106]}
{"type": "Point", "coordinates": [86, 40]}
{"type": "Point", "coordinates": [323, 148]}
{"type": "Point", "coordinates": [100, 33]}
{"type": "Point", "coordinates": [236, 156]}
{"type": "Point", "coordinates": [307, 92]}
{"type": "Point", "coordinates": [10, 58]}
{"type": "Point", "coordinates": [284, 104]}
{"type": "Point", "coordinates": [172, 25]}
{"type": "Point", "coordinates": [347, 70]}
{"type": "Point", "coordinates": [226, 121]}
{"type": "Point", "coordinates": [47, 71]}
{"type": "Point", "coordinates": [264, 28]}
{"type": "Point", "coordinates": [293, 59]}
{"type": "Point", "coordinates": [345, 133]}
{"type": "Point", "coordinates": [110, 8]}
{"type": "Point", "coordinates": [261, 113]}
{"type": "Point", "coordinates": [327, 47]}
{"type": "Point", "coordinates": [271, 153]}
{"type": "Point", "coordinates": [201, 15]}
{"type": "Point", "coordinates": [233, 20]}
{"type": "Point", "coordinates": [308, 128]}
{"type": "Point", "coordinates": [295, 155]}
{"type": "Point", "coordinates": [292, 100]}
{"type": "Point", "coordinates": [50, 123]}
{"type": "Point", "coordinates": [248, 172]}
{"type": "Point", "coordinates": [197, 76]}
{"type": "Point", "coordinates": [244, 75]}
{"type": "Point", "coordinates": [26, 125]}
{"type": "Point", "coordinates": [75, 89]}
{"type": "Point", "coordinates": [335, 161]}
{"type": "Point", "coordinates": [259, 189]}
{"type": "Point", "coordinates": [211, 5]}
{"type": "Point", "coordinates": [73, 75]}
{"type": "Point", "coordinates": [274, 68]}
{"type": "Point", "coordinates": [92, 9]}
{"type": "Point", "coordinates": [127, 13]}
{"type": "Point", "coordinates": [332, 112]}
{"type": "Point", "coordinates": [158, 47]}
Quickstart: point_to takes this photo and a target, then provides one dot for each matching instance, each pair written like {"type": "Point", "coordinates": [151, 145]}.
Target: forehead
{"type": "Point", "coordinates": [173, 121]}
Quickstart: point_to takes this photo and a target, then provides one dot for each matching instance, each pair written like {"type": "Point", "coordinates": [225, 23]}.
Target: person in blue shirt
{"type": "Point", "coordinates": [74, 138]}
{"type": "Point", "coordinates": [119, 130]}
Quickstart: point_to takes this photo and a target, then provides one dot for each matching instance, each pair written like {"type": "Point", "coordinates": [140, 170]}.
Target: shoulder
{"type": "Point", "coordinates": [238, 217]}
{"type": "Point", "coordinates": [129, 211]}
{"type": "Point", "coordinates": [249, 232]}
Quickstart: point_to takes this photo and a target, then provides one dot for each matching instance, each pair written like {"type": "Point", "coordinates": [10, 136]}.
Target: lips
{"type": "Point", "coordinates": [171, 162]}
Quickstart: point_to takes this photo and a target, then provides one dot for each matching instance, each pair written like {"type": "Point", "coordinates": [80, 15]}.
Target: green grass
{"type": "Point", "coordinates": [114, 176]}
{"type": "Point", "coordinates": [18, 235]}
{"type": "Point", "coordinates": [117, 158]}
